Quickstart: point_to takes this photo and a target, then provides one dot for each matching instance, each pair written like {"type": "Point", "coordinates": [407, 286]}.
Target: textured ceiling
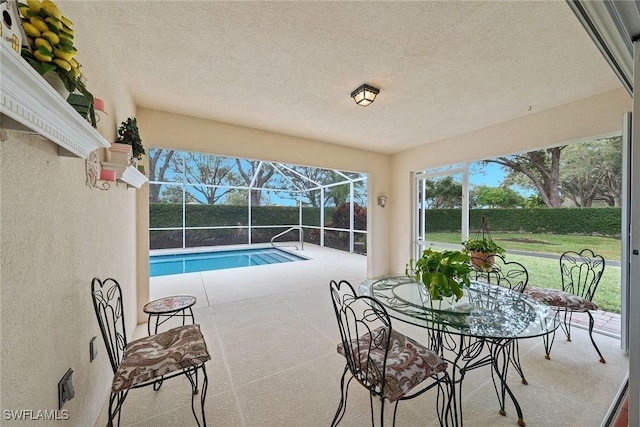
{"type": "Point", "coordinates": [443, 68]}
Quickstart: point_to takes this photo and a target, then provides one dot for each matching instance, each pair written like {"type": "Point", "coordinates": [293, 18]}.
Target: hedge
{"type": "Point", "coordinates": [167, 215]}
{"type": "Point", "coordinates": [585, 221]}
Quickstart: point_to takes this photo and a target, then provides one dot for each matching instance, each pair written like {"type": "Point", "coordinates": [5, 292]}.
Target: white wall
{"type": "Point", "coordinates": [580, 120]}
{"type": "Point", "coordinates": [56, 234]}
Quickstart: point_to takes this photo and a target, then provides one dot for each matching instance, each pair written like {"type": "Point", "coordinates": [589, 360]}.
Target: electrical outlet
{"type": "Point", "coordinates": [65, 389]}
{"type": "Point", "coordinates": [93, 349]}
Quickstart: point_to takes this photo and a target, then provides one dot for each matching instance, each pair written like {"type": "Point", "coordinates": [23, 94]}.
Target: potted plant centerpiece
{"type": "Point", "coordinates": [443, 274]}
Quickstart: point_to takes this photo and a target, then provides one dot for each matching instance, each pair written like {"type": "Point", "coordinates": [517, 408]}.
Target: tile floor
{"type": "Point", "coordinates": [272, 335]}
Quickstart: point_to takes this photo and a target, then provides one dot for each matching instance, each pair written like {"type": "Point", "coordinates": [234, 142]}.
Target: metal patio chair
{"type": "Point", "coordinates": [149, 360]}
{"type": "Point", "coordinates": [580, 273]}
{"type": "Point", "coordinates": [387, 363]}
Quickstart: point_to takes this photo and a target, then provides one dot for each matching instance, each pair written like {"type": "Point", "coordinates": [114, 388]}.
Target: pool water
{"type": "Point", "coordinates": [164, 265]}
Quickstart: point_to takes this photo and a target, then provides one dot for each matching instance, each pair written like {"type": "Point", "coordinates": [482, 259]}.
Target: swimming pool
{"type": "Point", "coordinates": [164, 265]}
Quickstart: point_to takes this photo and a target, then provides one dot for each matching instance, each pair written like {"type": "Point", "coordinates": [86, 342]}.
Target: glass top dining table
{"type": "Point", "coordinates": [487, 316]}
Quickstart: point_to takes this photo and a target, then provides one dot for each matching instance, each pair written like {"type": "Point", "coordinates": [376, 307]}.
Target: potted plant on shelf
{"type": "Point", "coordinates": [443, 274]}
{"type": "Point", "coordinates": [128, 134]}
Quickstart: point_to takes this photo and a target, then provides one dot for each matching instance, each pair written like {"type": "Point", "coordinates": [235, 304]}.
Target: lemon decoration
{"type": "Point", "coordinates": [54, 22]}
{"type": "Point", "coordinates": [52, 37]}
{"type": "Point", "coordinates": [62, 64]}
{"type": "Point", "coordinates": [39, 24]}
{"type": "Point", "coordinates": [31, 29]}
{"type": "Point", "coordinates": [67, 23]}
{"type": "Point", "coordinates": [26, 12]}
{"type": "Point", "coordinates": [43, 42]}
{"type": "Point", "coordinates": [43, 55]}
{"type": "Point", "coordinates": [63, 55]}
{"type": "Point", "coordinates": [34, 5]}
{"type": "Point", "coordinates": [50, 46]}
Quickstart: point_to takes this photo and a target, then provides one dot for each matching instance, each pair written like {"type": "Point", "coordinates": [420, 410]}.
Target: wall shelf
{"type": "Point", "coordinates": [28, 102]}
{"type": "Point", "coordinates": [125, 173]}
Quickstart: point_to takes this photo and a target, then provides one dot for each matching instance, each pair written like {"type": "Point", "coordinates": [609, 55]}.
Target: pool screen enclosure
{"type": "Point", "coordinates": [198, 200]}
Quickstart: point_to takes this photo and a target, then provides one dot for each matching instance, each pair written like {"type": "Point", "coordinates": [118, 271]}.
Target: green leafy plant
{"type": "Point", "coordinates": [482, 244]}
{"type": "Point", "coordinates": [443, 274]}
{"type": "Point", "coordinates": [128, 134]}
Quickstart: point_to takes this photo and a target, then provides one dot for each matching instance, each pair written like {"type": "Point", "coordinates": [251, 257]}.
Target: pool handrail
{"type": "Point", "coordinates": [301, 234]}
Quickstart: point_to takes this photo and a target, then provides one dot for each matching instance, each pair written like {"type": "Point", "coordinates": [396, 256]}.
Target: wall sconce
{"type": "Point", "coordinates": [365, 95]}
{"type": "Point", "coordinates": [382, 201]}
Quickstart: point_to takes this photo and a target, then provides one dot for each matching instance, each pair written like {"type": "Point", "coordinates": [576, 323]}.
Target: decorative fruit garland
{"type": "Point", "coordinates": [50, 48]}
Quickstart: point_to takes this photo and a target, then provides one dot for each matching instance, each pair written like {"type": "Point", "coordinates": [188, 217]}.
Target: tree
{"type": "Point", "coordinates": [443, 193]}
{"type": "Point", "coordinates": [337, 194]}
{"type": "Point", "coordinates": [173, 194]}
{"type": "Point", "coordinates": [159, 163]}
{"type": "Point", "coordinates": [305, 180]}
{"type": "Point", "coordinates": [535, 169]}
{"type": "Point", "coordinates": [611, 156]}
{"type": "Point", "coordinates": [256, 175]}
{"type": "Point", "coordinates": [206, 172]}
{"type": "Point", "coordinates": [498, 197]}
{"type": "Point", "coordinates": [534, 201]}
{"type": "Point", "coordinates": [592, 172]}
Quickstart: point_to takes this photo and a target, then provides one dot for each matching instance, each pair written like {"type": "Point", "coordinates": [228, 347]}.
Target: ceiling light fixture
{"type": "Point", "coordinates": [365, 95]}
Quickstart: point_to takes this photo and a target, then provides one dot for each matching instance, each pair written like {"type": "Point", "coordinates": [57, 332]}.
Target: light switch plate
{"type": "Point", "coordinates": [93, 349]}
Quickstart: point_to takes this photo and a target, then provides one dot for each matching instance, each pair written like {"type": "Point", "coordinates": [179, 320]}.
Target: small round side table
{"type": "Point", "coordinates": [169, 307]}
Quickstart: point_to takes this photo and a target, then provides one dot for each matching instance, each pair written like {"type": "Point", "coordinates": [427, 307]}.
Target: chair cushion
{"type": "Point", "coordinates": [558, 298]}
{"type": "Point", "coordinates": [408, 362]}
{"type": "Point", "coordinates": [151, 357]}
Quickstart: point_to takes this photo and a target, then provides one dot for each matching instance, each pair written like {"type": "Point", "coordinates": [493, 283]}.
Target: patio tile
{"type": "Point", "coordinates": [274, 363]}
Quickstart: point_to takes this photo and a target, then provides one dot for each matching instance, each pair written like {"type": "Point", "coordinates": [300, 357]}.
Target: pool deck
{"type": "Point", "coordinates": [325, 264]}
{"type": "Point", "coordinates": [237, 284]}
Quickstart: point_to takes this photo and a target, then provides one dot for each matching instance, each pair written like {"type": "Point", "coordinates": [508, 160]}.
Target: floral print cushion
{"type": "Point", "coordinates": [408, 362]}
{"type": "Point", "coordinates": [151, 357]}
{"type": "Point", "coordinates": [558, 298]}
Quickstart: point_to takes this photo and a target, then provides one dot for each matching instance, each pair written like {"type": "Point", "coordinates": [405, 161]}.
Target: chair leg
{"type": "Point", "coordinates": [566, 323]}
{"type": "Point", "coordinates": [591, 322]}
{"type": "Point", "coordinates": [192, 375]}
{"type": "Point", "coordinates": [203, 392]}
{"type": "Point", "coordinates": [117, 399]}
{"type": "Point", "coordinates": [342, 406]}
{"type": "Point", "coordinates": [382, 411]}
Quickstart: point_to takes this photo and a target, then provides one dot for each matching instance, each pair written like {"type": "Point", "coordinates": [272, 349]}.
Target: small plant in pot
{"type": "Point", "coordinates": [443, 274]}
{"type": "Point", "coordinates": [481, 250]}
{"type": "Point", "coordinates": [128, 134]}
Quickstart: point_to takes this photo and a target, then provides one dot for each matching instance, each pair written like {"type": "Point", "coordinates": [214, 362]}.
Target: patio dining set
{"type": "Point", "coordinates": [483, 328]}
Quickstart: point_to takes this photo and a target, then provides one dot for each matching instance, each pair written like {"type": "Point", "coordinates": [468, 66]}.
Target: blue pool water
{"type": "Point", "coordinates": [163, 265]}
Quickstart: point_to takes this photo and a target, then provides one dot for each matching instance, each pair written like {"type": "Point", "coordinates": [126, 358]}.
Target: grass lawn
{"type": "Point", "coordinates": [608, 247]}
{"type": "Point", "coordinates": [545, 272]}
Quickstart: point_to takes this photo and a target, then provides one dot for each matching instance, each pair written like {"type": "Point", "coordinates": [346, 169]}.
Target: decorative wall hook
{"type": "Point", "coordinates": [382, 201]}
{"type": "Point", "coordinates": [93, 172]}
